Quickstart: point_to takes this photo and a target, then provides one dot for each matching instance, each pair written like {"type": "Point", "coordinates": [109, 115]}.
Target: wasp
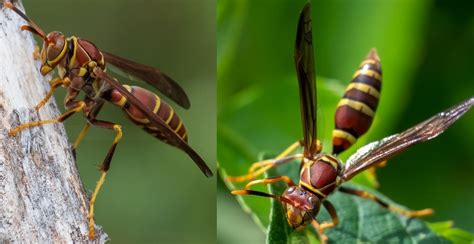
{"type": "Point", "coordinates": [81, 67]}
{"type": "Point", "coordinates": [322, 173]}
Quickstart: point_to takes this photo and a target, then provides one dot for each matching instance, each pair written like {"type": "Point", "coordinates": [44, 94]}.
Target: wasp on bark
{"type": "Point", "coordinates": [81, 68]}
{"type": "Point", "coordinates": [322, 173]}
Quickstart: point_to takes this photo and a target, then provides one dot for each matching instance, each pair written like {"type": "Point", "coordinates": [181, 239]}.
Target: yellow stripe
{"type": "Point", "coordinates": [157, 104]}
{"type": "Point", "coordinates": [122, 101]}
{"type": "Point", "coordinates": [60, 56]}
{"type": "Point", "coordinates": [140, 120]}
{"type": "Point", "coordinates": [152, 128]}
{"type": "Point", "coordinates": [307, 168]}
{"type": "Point", "coordinates": [368, 72]}
{"type": "Point", "coordinates": [364, 88]}
{"type": "Point", "coordinates": [102, 60]}
{"type": "Point", "coordinates": [344, 135]}
{"type": "Point", "coordinates": [359, 106]}
{"type": "Point", "coordinates": [129, 89]}
{"type": "Point", "coordinates": [143, 121]}
{"type": "Point", "coordinates": [311, 188]}
{"type": "Point", "coordinates": [82, 71]}
{"type": "Point", "coordinates": [184, 135]}
{"type": "Point", "coordinates": [331, 161]}
{"type": "Point", "coordinates": [73, 58]}
{"type": "Point", "coordinates": [170, 116]}
{"type": "Point", "coordinates": [179, 126]}
{"type": "Point", "coordinates": [368, 61]}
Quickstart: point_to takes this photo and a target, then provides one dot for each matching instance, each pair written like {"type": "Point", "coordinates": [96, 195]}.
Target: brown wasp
{"type": "Point", "coordinates": [81, 67]}
{"type": "Point", "coordinates": [321, 173]}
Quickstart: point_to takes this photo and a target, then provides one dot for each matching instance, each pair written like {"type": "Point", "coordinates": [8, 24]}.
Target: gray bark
{"type": "Point", "coordinates": [42, 199]}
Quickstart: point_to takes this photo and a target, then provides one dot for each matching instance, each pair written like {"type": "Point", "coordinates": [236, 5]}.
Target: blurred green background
{"type": "Point", "coordinates": [427, 60]}
{"type": "Point", "coordinates": [153, 192]}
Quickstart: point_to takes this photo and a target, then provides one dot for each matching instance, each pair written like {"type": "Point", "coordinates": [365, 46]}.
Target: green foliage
{"type": "Point", "coordinates": [278, 230]}
{"type": "Point", "coordinates": [446, 229]}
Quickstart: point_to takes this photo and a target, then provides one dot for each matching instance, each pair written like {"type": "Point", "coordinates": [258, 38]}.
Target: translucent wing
{"type": "Point", "coordinates": [152, 76]}
{"type": "Point", "coordinates": [304, 61]}
{"type": "Point", "coordinates": [161, 126]}
{"type": "Point", "coordinates": [388, 147]}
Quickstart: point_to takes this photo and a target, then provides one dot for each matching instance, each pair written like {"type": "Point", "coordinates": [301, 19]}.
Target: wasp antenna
{"type": "Point", "coordinates": [31, 29]}
{"type": "Point", "coordinates": [263, 194]}
{"type": "Point", "coordinates": [32, 26]}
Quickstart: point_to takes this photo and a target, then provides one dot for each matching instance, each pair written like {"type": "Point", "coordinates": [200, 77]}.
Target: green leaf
{"type": "Point", "coordinates": [278, 230]}
{"type": "Point", "coordinates": [446, 230]}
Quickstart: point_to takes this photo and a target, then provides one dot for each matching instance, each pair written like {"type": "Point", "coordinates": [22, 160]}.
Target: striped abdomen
{"type": "Point", "coordinates": [355, 111]}
{"type": "Point", "coordinates": [155, 104]}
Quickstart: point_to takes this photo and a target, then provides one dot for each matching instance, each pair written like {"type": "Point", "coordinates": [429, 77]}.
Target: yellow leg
{"type": "Point", "coordinates": [334, 218]}
{"type": "Point", "coordinates": [270, 181]}
{"type": "Point", "coordinates": [81, 135]}
{"type": "Point", "coordinates": [259, 168]}
{"type": "Point", "coordinates": [268, 164]}
{"type": "Point", "coordinates": [91, 205]}
{"type": "Point", "coordinates": [412, 214]}
{"type": "Point", "coordinates": [104, 168]}
{"type": "Point", "coordinates": [408, 213]}
{"type": "Point", "coordinates": [323, 238]}
{"type": "Point", "coordinates": [67, 114]}
{"type": "Point", "coordinates": [54, 84]}
{"type": "Point", "coordinates": [285, 153]}
{"type": "Point", "coordinates": [289, 150]}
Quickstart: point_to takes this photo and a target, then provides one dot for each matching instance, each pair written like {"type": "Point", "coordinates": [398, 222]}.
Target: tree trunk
{"type": "Point", "coordinates": [42, 198]}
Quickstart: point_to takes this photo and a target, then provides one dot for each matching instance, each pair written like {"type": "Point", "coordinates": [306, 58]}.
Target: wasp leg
{"type": "Point", "coordinates": [55, 83]}
{"type": "Point", "coordinates": [91, 114]}
{"type": "Point", "coordinates": [80, 105]}
{"type": "Point", "coordinates": [267, 164]}
{"type": "Point", "coordinates": [81, 136]}
{"type": "Point", "coordinates": [103, 169]}
{"type": "Point", "coordinates": [407, 213]}
{"type": "Point", "coordinates": [285, 153]}
{"type": "Point", "coordinates": [319, 228]}
{"type": "Point", "coordinates": [323, 238]}
{"type": "Point", "coordinates": [259, 168]}
{"type": "Point", "coordinates": [271, 180]}
{"type": "Point", "coordinates": [332, 211]}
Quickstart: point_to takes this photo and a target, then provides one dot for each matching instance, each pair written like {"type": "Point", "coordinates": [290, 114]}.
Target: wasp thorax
{"type": "Point", "coordinates": [305, 205]}
{"type": "Point", "coordinates": [54, 49]}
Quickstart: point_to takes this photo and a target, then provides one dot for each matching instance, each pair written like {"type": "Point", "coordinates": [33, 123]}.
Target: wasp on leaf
{"type": "Point", "coordinates": [322, 173]}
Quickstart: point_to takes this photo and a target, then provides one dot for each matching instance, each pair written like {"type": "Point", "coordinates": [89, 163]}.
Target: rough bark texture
{"type": "Point", "coordinates": [42, 199]}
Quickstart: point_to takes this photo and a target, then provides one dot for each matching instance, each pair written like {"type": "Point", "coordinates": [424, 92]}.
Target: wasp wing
{"type": "Point", "coordinates": [162, 127]}
{"type": "Point", "coordinates": [304, 61]}
{"type": "Point", "coordinates": [152, 76]}
{"type": "Point", "coordinates": [388, 147]}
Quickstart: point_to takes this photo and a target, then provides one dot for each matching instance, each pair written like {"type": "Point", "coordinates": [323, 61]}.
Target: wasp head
{"type": "Point", "coordinates": [53, 51]}
{"type": "Point", "coordinates": [303, 207]}
{"type": "Point", "coordinates": [54, 44]}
